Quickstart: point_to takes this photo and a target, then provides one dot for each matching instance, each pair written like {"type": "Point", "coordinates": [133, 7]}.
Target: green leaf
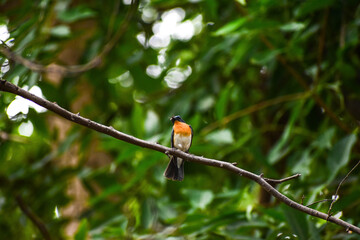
{"type": "Point", "coordinates": [211, 8]}
{"type": "Point", "coordinates": [82, 231]}
{"type": "Point", "coordinates": [194, 224]}
{"type": "Point", "coordinates": [220, 137]}
{"type": "Point", "coordinates": [346, 70]}
{"type": "Point", "coordinates": [302, 165]}
{"type": "Point", "coordinates": [151, 122]}
{"type": "Point", "coordinates": [240, 52]}
{"type": "Point", "coordinates": [265, 57]}
{"type": "Point", "coordinates": [3, 20]}
{"type": "Point", "coordinates": [147, 212]}
{"type": "Point", "coordinates": [119, 221]}
{"type": "Point", "coordinates": [137, 120]}
{"type": "Point", "coordinates": [340, 155]}
{"type": "Point", "coordinates": [281, 148]}
{"type": "Point", "coordinates": [198, 198]}
{"type": "Point", "coordinates": [221, 104]}
{"type": "Point", "coordinates": [206, 103]}
{"type": "Point", "coordinates": [24, 35]}
{"type": "Point", "coordinates": [230, 27]}
{"type": "Point", "coordinates": [297, 222]}
{"type": "Point", "coordinates": [242, 2]}
{"type": "Point", "coordinates": [60, 31]}
{"type": "Point", "coordinates": [33, 79]}
{"type": "Point", "coordinates": [324, 140]}
{"type": "Point", "coordinates": [113, 189]}
{"type": "Point", "coordinates": [292, 27]}
{"type": "Point", "coordinates": [313, 5]}
{"type": "Point", "coordinates": [142, 81]}
{"type": "Point", "coordinates": [66, 144]}
{"type": "Point", "coordinates": [75, 14]}
{"type": "Point", "coordinates": [260, 24]}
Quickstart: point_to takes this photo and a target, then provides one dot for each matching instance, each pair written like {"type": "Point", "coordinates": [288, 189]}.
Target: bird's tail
{"type": "Point", "coordinates": [173, 172]}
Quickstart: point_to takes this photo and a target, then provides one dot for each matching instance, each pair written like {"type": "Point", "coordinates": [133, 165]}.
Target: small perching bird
{"type": "Point", "coordinates": [181, 138]}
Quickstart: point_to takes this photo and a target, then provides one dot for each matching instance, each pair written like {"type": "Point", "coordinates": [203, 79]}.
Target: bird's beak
{"type": "Point", "coordinates": [171, 118]}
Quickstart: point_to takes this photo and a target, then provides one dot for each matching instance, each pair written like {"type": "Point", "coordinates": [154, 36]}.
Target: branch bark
{"type": "Point", "coordinates": [265, 183]}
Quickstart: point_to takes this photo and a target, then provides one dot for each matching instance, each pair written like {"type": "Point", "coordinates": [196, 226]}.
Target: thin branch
{"type": "Point", "coordinates": [70, 70]}
{"type": "Point", "coordinates": [4, 136]}
{"type": "Point", "coordinates": [35, 219]}
{"type": "Point", "coordinates": [254, 108]}
{"type": "Point", "coordinates": [76, 118]}
{"type": "Point", "coordinates": [113, 18]}
{"type": "Point", "coordinates": [278, 181]}
{"type": "Point", "coordinates": [301, 80]}
{"type": "Point", "coordinates": [336, 196]}
{"type": "Point", "coordinates": [320, 201]}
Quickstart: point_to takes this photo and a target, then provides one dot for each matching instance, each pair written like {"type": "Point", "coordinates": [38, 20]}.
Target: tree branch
{"type": "Point", "coordinates": [35, 219]}
{"type": "Point", "coordinates": [336, 196]}
{"type": "Point", "coordinates": [76, 118]}
{"type": "Point", "coordinates": [278, 181]}
{"type": "Point", "coordinates": [254, 108]}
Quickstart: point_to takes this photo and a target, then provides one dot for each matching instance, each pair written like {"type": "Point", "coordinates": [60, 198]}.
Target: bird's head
{"type": "Point", "coordinates": [176, 118]}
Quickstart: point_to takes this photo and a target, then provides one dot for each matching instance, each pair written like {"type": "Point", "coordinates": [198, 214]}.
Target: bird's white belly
{"type": "Point", "coordinates": [182, 142]}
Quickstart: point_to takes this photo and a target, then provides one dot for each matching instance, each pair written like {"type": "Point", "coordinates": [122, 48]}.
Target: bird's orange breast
{"type": "Point", "coordinates": [182, 128]}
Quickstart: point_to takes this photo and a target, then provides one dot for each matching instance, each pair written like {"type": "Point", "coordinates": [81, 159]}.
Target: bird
{"type": "Point", "coordinates": [181, 138]}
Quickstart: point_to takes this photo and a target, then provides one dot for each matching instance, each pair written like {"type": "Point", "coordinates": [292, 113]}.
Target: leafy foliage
{"type": "Point", "coordinates": [247, 75]}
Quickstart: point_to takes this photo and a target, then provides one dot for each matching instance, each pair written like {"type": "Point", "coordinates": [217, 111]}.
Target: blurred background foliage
{"type": "Point", "coordinates": [272, 85]}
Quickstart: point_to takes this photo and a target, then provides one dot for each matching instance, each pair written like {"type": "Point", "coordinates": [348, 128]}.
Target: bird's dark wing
{"type": "Point", "coordinates": [192, 134]}
{"type": "Point", "coordinates": [172, 138]}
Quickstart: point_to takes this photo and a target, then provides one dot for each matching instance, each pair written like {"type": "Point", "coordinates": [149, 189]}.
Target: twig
{"type": "Point", "coordinates": [278, 181]}
{"type": "Point", "coordinates": [320, 201]}
{"type": "Point", "coordinates": [35, 219]}
{"type": "Point", "coordinates": [254, 108]}
{"type": "Point", "coordinates": [335, 198]}
{"type": "Point", "coordinates": [4, 136]}
{"type": "Point", "coordinates": [70, 70]}
{"type": "Point", "coordinates": [113, 17]}
{"type": "Point", "coordinates": [9, 87]}
{"type": "Point", "coordinates": [304, 84]}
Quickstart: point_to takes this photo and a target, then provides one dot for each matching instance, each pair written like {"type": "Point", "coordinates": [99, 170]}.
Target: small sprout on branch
{"type": "Point", "coordinates": [302, 199]}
